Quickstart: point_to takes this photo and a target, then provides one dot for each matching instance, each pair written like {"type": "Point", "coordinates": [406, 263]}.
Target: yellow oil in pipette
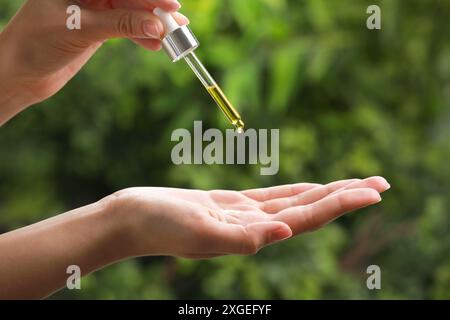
{"type": "Point", "coordinates": [226, 107]}
{"type": "Point", "coordinates": [216, 93]}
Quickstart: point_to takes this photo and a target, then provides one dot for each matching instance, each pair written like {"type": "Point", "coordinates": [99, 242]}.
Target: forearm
{"type": "Point", "coordinates": [34, 259]}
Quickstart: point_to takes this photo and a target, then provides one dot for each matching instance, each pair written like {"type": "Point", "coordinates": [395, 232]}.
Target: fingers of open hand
{"type": "Point", "coordinates": [276, 205]}
{"type": "Point", "coordinates": [236, 239]}
{"type": "Point", "coordinates": [266, 194]}
{"type": "Point", "coordinates": [377, 183]}
{"type": "Point", "coordinates": [313, 216]}
{"type": "Point", "coordinates": [309, 196]}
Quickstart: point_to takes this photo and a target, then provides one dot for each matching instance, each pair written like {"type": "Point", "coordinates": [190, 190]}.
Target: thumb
{"type": "Point", "coordinates": [265, 233]}
{"type": "Point", "coordinates": [123, 23]}
{"type": "Point", "coordinates": [237, 239]}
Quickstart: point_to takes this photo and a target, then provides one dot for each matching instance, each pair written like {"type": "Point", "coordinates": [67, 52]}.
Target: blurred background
{"type": "Point", "coordinates": [349, 103]}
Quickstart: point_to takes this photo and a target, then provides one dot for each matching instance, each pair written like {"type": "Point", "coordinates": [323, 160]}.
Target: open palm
{"type": "Point", "coordinates": [203, 224]}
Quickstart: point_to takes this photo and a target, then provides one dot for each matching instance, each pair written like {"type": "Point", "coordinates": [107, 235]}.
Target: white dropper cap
{"type": "Point", "coordinates": [179, 41]}
{"type": "Point", "coordinates": [167, 19]}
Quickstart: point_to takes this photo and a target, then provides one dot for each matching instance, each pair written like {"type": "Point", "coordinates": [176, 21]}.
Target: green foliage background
{"type": "Point", "coordinates": [349, 102]}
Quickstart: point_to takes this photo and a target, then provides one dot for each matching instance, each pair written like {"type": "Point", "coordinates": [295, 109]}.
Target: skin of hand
{"type": "Point", "coordinates": [39, 54]}
{"type": "Point", "coordinates": [160, 221]}
{"type": "Point", "coordinates": [205, 224]}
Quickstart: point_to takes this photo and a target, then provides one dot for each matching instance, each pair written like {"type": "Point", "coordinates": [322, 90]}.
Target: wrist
{"type": "Point", "coordinates": [117, 227]}
{"type": "Point", "coordinates": [136, 220]}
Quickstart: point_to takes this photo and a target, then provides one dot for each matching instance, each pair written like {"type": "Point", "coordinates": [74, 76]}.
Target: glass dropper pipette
{"type": "Point", "coordinates": [180, 43]}
{"type": "Point", "coordinates": [214, 90]}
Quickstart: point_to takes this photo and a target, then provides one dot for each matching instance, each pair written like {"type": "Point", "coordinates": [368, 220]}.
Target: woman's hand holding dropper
{"type": "Point", "coordinates": [39, 54]}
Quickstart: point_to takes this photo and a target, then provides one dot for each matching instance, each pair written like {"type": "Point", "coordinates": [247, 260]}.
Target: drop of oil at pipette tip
{"type": "Point", "coordinates": [240, 127]}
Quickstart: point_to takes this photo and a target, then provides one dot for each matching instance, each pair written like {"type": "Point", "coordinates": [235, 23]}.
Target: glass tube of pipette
{"type": "Point", "coordinates": [214, 90]}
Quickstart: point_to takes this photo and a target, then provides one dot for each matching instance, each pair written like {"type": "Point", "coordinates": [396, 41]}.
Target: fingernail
{"type": "Point", "coordinates": [176, 4]}
{"type": "Point", "coordinates": [152, 29]}
{"type": "Point", "coordinates": [386, 185]}
{"type": "Point", "coordinates": [378, 199]}
{"type": "Point", "coordinates": [170, 5]}
{"type": "Point", "coordinates": [280, 234]}
{"type": "Point", "coordinates": [181, 18]}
